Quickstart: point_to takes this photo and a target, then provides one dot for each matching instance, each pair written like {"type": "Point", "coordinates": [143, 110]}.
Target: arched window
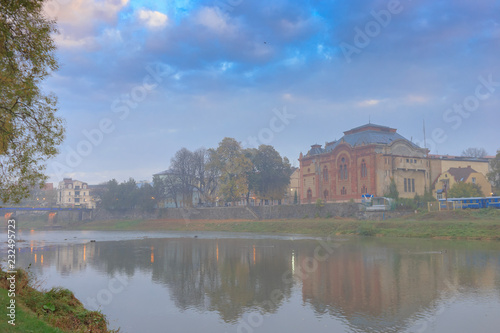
{"type": "Point", "coordinates": [364, 172]}
{"type": "Point", "coordinates": [309, 195]}
{"type": "Point", "coordinates": [343, 171]}
{"type": "Point", "coordinates": [325, 173]}
{"type": "Point", "coordinates": [325, 195]}
{"type": "Point", "coordinates": [343, 191]}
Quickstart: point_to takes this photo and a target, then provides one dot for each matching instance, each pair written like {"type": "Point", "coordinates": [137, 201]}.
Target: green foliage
{"type": "Point", "coordinates": [365, 230]}
{"type": "Point", "coordinates": [406, 204]}
{"type": "Point", "coordinates": [30, 131]}
{"type": "Point", "coordinates": [494, 174]}
{"type": "Point", "coordinates": [319, 203]}
{"type": "Point", "coordinates": [233, 166]}
{"type": "Point", "coordinates": [465, 190]}
{"type": "Point", "coordinates": [127, 196]}
{"type": "Point", "coordinates": [392, 191]}
{"type": "Point", "coordinates": [269, 176]}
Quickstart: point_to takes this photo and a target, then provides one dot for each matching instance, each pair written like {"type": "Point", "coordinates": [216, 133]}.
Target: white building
{"type": "Point", "coordinates": [74, 193]}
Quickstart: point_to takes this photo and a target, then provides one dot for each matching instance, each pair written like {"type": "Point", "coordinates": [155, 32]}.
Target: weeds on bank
{"type": "Point", "coordinates": [58, 307]}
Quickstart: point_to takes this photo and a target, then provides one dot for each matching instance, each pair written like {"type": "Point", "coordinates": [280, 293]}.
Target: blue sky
{"type": "Point", "coordinates": [138, 80]}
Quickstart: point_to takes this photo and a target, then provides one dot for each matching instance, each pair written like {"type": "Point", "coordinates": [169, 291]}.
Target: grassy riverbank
{"type": "Point", "coordinates": [53, 311]}
{"type": "Point", "coordinates": [466, 224]}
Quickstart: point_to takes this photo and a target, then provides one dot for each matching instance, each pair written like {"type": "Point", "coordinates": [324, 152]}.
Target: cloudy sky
{"type": "Point", "coordinates": [140, 79]}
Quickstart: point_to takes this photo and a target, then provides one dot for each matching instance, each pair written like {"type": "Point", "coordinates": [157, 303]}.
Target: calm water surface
{"type": "Point", "coordinates": [222, 282]}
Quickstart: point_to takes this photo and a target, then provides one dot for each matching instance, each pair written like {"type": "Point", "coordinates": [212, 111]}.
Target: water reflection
{"type": "Point", "coordinates": [363, 285]}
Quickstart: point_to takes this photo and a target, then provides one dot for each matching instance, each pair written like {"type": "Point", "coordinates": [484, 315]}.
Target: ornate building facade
{"type": "Point", "coordinates": [364, 161]}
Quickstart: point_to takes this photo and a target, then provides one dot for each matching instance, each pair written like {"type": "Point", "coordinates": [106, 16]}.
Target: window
{"type": "Point", "coordinates": [309, 195]}
{"type": "Point", "coordinates": [473, 180]}
{"type": "Point", "coordinates": [406, 188]}
{"type": "Point", "coordinates": [364, 172]}
{"type": "Point", "coordinates": [343, 172]}
{"type": "Point", "coordinates": [325, 174]}
{"type": "Point", "coordinates": [364, 189]}
{"type": "Point", "coordinates": [413, 184]}
{"type": "Point", "coordinates": [343, 191]}
{"type": "Point", "coordinates": [325, 195]}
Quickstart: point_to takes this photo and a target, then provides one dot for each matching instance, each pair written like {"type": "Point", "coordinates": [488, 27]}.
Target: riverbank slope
{"type": "Point", "coordinates": [466, 224]}
{"type": "Point", "coordinates": [53, 311]}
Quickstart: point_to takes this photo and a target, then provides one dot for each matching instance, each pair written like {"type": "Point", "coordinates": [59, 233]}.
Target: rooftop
{"type": "Point", "coordinates": [461, 174]}
{"type": "Point", "coordinates": [362, 135]}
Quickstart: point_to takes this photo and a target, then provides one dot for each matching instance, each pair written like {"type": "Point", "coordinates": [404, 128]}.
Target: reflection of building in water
{"type": "Point", "coordinates": [374, 287]}
{"type": "Point", "coordinates": [66, 258]}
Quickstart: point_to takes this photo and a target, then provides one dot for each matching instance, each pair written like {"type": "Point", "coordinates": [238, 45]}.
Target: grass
{"type": "Point", "coordinates": [55, 310]}
{"type": "Point", "coordinates": [481, 224]}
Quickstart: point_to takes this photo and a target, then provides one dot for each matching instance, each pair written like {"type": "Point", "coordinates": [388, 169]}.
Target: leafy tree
{"type": "Point", "coordinates": [392, 191]}
{"type": "Point", "coordinates": [270, 175]}
{"type": "Point", "coordinates": [494, 174]}
{"type": "Point", "coordinates": [465, 190]}
{"type": "Point", "coordinates": [146, 199]}
{"type": "Point", "coordinates": [183, 169]}
{"type": "Point", "coordinates": [30, 131]}
{"type": "Point", "coordinates": [233, 167]}
{"type": "Point", "coordinates": [474, 152]}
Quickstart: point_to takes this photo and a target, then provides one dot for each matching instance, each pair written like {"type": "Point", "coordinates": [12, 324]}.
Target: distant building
{"type": "Point", "coordinates": [293, 187]}
{"type": "Point", "coordinates": [74, 193]}
{"type": "Point", "coordinates": [466, 175]}
{"type": "Point", "coordinates": [364, 161]}
{"type": "Point", "coordinates": [442, 163]}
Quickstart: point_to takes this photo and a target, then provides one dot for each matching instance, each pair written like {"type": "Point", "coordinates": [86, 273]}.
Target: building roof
{"type": "Point", "coordinates": [363, 135]}
{"type": "Point", "coordinates": [461, 158]}
{"type": "Point", "coordinates": [461, 174]}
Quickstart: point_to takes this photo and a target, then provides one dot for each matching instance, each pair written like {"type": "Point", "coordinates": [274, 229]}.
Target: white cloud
{"type": "Point", "coordinates": [215, 21]}
{"type": "Point", "coordinates": [152, 19]}
{"type": "Point", "coordinates": [78, 20]}
{"type": "Point", "coordinates": [369, 102]}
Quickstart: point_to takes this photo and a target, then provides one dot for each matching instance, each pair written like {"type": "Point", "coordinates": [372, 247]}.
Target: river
{"type": "Point", "coordinates": [228, 282]}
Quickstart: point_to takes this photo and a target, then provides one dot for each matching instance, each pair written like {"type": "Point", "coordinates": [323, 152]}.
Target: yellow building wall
{"type": "Point", "coordinates": [479, 177]}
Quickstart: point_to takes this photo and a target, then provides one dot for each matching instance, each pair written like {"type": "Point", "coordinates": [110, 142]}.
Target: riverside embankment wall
{"type": "Point", "coordinates": [347, 210]}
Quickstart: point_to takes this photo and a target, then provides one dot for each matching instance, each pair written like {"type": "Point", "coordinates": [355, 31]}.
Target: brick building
{"type": "Point", "coordinates": [363, 161]}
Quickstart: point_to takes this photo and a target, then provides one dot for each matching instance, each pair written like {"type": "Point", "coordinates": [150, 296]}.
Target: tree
{"type": "Point", "coordinates": [392, 191]}
{"type": "Point", "coordinates": [30, 131]}
{"type": "Point", "coordinates": [233, 167]}
{"type": "Point", "coordinates": [474, 152]}
{"type": "Point", "coordinates": [465, 190]}
{"type": "Point", "coordinates": [494, 174]}
{"type": "Point", "coordinates": [270, 175]}
{"type": "Point", "coordinates": [182, 166]}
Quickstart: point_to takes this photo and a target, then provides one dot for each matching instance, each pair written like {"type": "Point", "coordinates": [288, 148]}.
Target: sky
{"type": "Point", "coordinates": [141, 79]}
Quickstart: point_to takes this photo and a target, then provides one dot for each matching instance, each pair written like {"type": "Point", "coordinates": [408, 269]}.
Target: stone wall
{"type": "Point", "coordinates": [351, 210]}
{"type": "Point", "coordinates": [264, 212]}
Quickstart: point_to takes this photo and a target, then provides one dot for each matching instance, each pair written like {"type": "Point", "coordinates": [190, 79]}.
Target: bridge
{"type": "Point", "coordinates": [53, 213]}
